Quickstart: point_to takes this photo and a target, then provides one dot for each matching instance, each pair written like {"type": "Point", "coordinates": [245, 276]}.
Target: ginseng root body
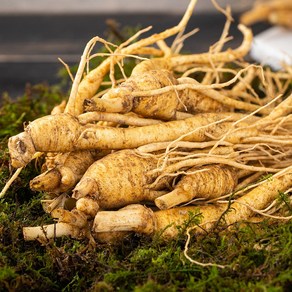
{"type": "Point", "coordinates": [163, 106]}
{"type": "Point", "coordinates": [116, 180]}
{"type": "Point", "coordinates": [202, 182]}
{"type": "Point", "coordinates": [121, 100]}
{"type": "Point", "coordinates": [64, 133]}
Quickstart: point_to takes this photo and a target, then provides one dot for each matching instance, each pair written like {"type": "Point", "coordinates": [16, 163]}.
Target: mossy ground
{"type": "Point", "coordinates": [258, 256]}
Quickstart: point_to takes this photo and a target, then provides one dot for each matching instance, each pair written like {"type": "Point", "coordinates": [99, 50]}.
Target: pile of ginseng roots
{"type": "Point", "coordinates": [206, 135]}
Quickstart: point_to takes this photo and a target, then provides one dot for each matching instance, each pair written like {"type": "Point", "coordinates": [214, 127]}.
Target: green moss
{"type": "Point", "coordinates": [7, 273]}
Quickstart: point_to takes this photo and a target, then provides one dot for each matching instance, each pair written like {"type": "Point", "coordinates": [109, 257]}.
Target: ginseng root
{"type": "Point", "coordinates": [193, 101]}
{"type": "Point", "coordinates": [67, 171]}
{"type": "Point", "coordinates": [206, 182]}
{"type": "Point", "coordinates": [160, 106]}
{"type": "Point", "coordinates": [120, 99]}
{"type": "Point", "coordinates": [63, 133]}
{"type": "Point", "coordinates": [140, 219]}
{"type": "Point", "coordinates": [48, 232]}
{"type": "Point", "coordinates": [116, 180]}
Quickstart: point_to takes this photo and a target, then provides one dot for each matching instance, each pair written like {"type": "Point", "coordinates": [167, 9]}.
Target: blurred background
{"type": "Point", "coordinates": [111, 6]}
{"type": "Point", "coordinates": [33, 33]}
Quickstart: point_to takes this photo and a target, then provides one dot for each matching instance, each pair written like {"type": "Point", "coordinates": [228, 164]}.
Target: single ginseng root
{"type": "Point", "coordinates": [47, 232]}
{"type": "Point", "coordinates": [117, 180]}
{"type": "Point", "coordinates": [127, 97]}
{"type": "Point", "coordinates": [67, 170]}
{"type": "Point", "coordinates": [64, 133]}
{"type": "Point", "coordinates": [105, 186]}
{"type": "Point", "coordinates": [120, 99]}
{"type": "Point", "coordinates": [206, 182]}
{"type": "Point", "coordinates": [166, 106]}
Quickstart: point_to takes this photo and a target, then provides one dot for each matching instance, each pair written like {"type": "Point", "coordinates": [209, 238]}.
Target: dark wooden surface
{"type": "Point", "coordinates": [31, 44]}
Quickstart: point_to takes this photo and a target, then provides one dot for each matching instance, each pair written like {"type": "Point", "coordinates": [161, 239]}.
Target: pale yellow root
{"type": "Point", "coordinates": [164, 48]}
{"type": "Point", "coordinates": [173, 155]}
{"type": "Point", "coordinates": [208, 90]}
{"type": "Point", "coordinates": [150, 65]}
{"type": "Point", "coordinates": [15, 175]}
{"type": "Point", "coordinates": [60, 108]}
{"type": "Point", "coordinates": [206, 69]}
{"type": "Point", "coordinates": [67, 171]}
{"type": "Point", "coordinates": [217, 47]}
{"type": "Point", "coordinates": [68, 71]}
{"type": "Point", "coordinates": [88, 206]}
{"type": "Point", "coordinates": [245, 82]}
{"type": "Point", "coordinates": [63, 133]}
{"type": "Point", "coordinates": [149, 51]}
{"type": "Point", "coordinates": [259, 197]}
{"type": "Point", "coordinates": [46, 232]}
{"type": "Point", "coordinates": [214, 181]}
{"type": "Point", "coordinates": [220, 98]}
{"type": "Point", "coordinates": [77, 86]}
{"type": "Point", "coordinates": [115, 105]}
{"type": "Point", "coordinates": [153, 147]}
{"type": "Point", "coordinates": [193, 129]}
{"type": "Point", "coordinates": [170, 157]}
{"type": "Point", "coordinates": [141, 219]}
{"type": "Point", "coordinates": [221, 57]}
{"type": "Point", "coordinates": [10, 182]}
{"type": "Point", "coordinates": [116, 180]}
{"type": "Point", "coordinates": [163, 106]}
{"type": "Point", "coordinates": [184, 164]}
{"type": "Point", "coordinates": [121, 100]}
{"type": "Point", "coordinates": [272, 140]}
{"type": "Point", "coordinates": [283, 109]}
{"type": "Point", "coordinates": [194, 101]}
{"type": "Point", "coordinates": [135, 218]}
{"type": "Point", "coordinates": [74, 217]}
